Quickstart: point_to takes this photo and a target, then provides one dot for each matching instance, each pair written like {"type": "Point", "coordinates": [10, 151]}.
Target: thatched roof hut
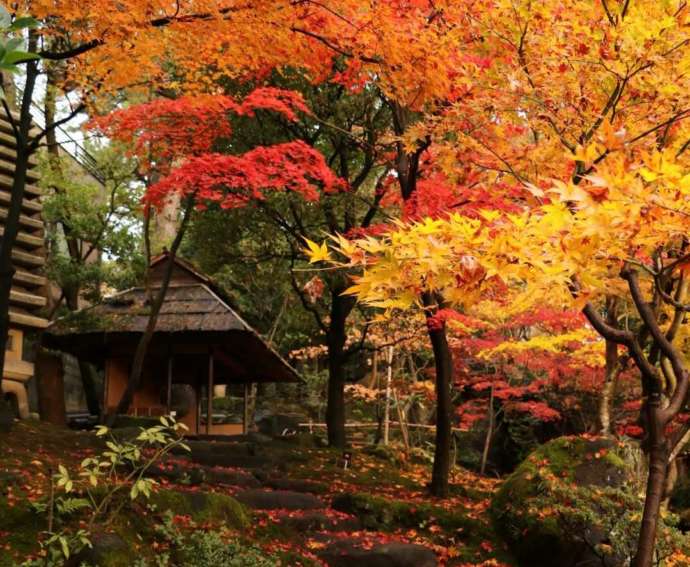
{"type": "Point", "coordinates": [199, 340]}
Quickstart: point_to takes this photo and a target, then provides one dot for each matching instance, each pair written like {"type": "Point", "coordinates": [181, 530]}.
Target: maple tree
{"type": "Point", "coordinates": [242, 41]}
{"type": "Point", "coordinates": [169, 135]}
{"type": "Point", "coordinates": [476, 84]}
{"type": "Point", "coordinates": [565, 253]}
{"type": "Point", "coordinates": [571, 130]}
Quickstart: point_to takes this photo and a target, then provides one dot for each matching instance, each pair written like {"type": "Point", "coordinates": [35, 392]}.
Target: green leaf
{"type": "Point", "coordinates": [20, 56]}
{"type": "Point", "coordinates": [23, 23]}
{"type": "Point", "coordinates": [64, 545]}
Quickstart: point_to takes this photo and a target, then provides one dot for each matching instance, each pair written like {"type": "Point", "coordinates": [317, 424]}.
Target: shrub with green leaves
{"type": "Point", "coordinates": [103, 485]}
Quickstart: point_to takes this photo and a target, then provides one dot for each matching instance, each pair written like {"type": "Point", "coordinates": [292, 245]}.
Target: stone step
{"type": "Point", "coordinates": [317, 521]}
{"type": "Point", "coordinates": [259, 499]}
{"type": "Point", "coordinates": [218, 459]}
{"type": "Point", "coordinates": [295, 485]}
{"type": "Point", "coordinates": [348, 552]}
{"type": "Point", "coordinates": [194, 475]}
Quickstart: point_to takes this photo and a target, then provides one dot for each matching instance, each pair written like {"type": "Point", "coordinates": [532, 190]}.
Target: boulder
{"type": "Point", "coordinates": [278, 500]}
{"type": "Point", "coordinates": [278, 425]}
{"type": "Point", "coordinates": [202, 507]}
{"type": "Point", "coordinates": [345, 553]}
{"type": "Point", "coordinates": [572, 498]}
{"type": "Point", "coordinates": [107, 550]}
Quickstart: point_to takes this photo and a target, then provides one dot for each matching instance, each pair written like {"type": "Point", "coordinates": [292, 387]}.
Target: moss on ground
{"type": "Point", "coordinates": [20, 526]}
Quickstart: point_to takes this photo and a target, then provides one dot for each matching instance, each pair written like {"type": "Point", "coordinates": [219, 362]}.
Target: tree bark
{"type": "Point", "coordinates": [610, 376]}
{"type": "Point", "coordinates": [443, 361]}
{"type": "Point", "coordinates": [335, 338]}
{"type": "Point", "coordinates": [656, 481]}
{"type": "Point", "coordinates": [489, 433]}
{"type": "Point", "coordinates": [610, 371]}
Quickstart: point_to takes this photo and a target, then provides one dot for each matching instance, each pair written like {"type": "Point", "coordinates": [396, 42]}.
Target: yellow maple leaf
{"type": "Point", "coordinates": [317, 253]}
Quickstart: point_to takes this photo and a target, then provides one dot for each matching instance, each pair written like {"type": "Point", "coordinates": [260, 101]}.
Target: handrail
{"type": "Point", "coordinates": [77, 152]}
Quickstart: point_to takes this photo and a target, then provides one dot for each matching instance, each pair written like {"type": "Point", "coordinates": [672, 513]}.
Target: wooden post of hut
{"type": "Point", "coordinates": [209, 401]}
{"type": "Point", "coordinates": [168, 393]}
{"type": "Point", "coordinates": [245, 416]}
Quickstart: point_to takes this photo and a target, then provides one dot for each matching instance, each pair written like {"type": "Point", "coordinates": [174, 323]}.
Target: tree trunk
{"type": "Point", "coordinates": [610, 372]}
{"type": "Point", "coordinates": [444, 405]}
{"type": "Point", "coordinates": [607, 392]}
{"type": "Point", "coordinates": [656, 481]}
{"type": "Point", "coordinates": [489, 432]}
{"type": "Point", "coordinates": [142, 347]}
{"type": "Point", "coordinates": [336, 337]}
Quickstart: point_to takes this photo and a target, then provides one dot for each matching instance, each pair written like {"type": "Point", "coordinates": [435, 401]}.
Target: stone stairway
{"type": "Point", "coordinates": [261, 483]}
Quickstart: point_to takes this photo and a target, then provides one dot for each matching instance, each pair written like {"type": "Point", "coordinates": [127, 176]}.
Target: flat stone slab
{"type": "Point", "coordinates": [295, 485]}
{"type": "Point", "coordinates": [345, 553]}
{"type": "Point", "coordinates": [318, 521]}
{"type": "Point", "coordinates": [192, 475]}
{"type": "Point", "coordinates": [278, 500]}
{"type": "Point", "coordinates": [220, 459]}
{"type": "Point", "coordinates": [241, 478]}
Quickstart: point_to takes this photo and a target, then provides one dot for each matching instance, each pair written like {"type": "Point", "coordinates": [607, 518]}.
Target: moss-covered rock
{"type": "Point", "coordinates": [107, 550]}
{"type": "Point", "coordinates": [573, 498]}
{"type": "Point", "coordinates": [202, 507]}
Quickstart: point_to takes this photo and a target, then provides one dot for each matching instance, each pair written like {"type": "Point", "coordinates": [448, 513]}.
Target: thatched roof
{"type": "Point", "coordinates": [192, 311]}
{"type": "Point", "coordinates": [188, 307]}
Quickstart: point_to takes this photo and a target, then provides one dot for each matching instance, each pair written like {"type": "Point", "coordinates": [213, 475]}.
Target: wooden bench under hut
{"type": "Point", "coordinates": [200, 343]}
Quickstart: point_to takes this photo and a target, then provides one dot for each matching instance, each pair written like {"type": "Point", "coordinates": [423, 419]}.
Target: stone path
{"type": "Point", "coordinates": [259, 482]}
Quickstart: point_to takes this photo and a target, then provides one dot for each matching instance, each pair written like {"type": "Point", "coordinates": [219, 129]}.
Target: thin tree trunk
{"type": "Point", "coordinates": [656, 481]}
{"type": "Point", "coordinates": [610, 372]}
{"type": "Point", "coordinates": [142, 347]}
{"type": "Point", "coordinates": [335, 405]}
{"type": "Point", "coordinates": [607, 392]}
{"type": "Point", "coordinates": [489, 432]}
{"type": "Point", "coordinates": [444, 372]}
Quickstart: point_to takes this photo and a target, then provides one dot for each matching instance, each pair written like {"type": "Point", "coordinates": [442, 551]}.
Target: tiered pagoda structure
{"type": "Point", "coordinates": [28, 296]}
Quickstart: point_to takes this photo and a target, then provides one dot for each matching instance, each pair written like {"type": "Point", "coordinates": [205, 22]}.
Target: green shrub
{"type": "Point", "coordinates": [207, 549]}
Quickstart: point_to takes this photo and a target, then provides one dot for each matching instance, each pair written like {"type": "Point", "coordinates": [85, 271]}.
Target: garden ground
{"type": "Point", "coordinates": [298, 502]}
